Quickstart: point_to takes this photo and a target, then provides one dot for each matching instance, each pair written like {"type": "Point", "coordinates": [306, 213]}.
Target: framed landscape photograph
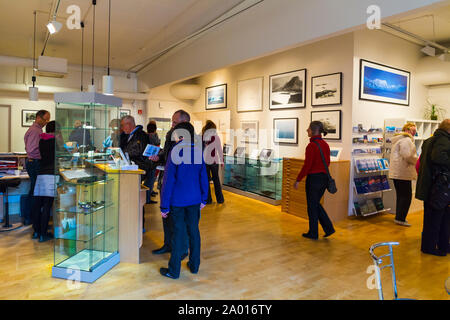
{"type": "Point", "coordinates": [216, 97]}
{"type": "Point", "coordinates": [124, 112]}
{"type": "Point", "coordinates": [28, 117]}
{"type": "Point", "coordinates": [331, 120]}
{"type": "Point", "coordinates": [326, 90]}
{"type": "Point", "coordinates": [285, 130]}
{"type": "Point", "coordinates": [288, 90]}
{"type": "Point", "coordinates": [382, 83]}
{"type": "Point", "coordinates": [250, 131]}
{"type": "Point", "coordinates": [250, 95]}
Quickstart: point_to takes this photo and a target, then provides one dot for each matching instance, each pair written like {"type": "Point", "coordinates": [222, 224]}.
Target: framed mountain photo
{"type": "Point", "coordinates": [288, 90]}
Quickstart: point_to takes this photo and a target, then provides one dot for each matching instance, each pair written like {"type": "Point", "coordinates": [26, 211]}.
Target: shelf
{"type": "Point", "coordinates": [369, 193]}
{"type": "Point", "coordinates": [77, 210]}
{"type": "Point", "coordinates": [62, 182]}
{"type": "Point", "coordinates": [371, 213]}
{"type": "Point", "coordinates": [71, 235]}
{"type": "Point", "coordinates": [371, 171]}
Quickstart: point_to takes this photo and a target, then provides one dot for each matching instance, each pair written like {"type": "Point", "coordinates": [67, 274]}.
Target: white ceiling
{"type": "Point", "coordinates": [139, 28]}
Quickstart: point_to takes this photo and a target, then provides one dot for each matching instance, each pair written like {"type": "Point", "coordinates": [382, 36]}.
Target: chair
{"type": "Point", "coordinates": [378, 261]}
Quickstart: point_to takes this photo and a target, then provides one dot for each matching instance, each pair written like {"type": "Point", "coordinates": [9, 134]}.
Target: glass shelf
{"type": "Point", "coordinates": [85, 238]}
{"type": "Point", "coordinates": [77, 210]}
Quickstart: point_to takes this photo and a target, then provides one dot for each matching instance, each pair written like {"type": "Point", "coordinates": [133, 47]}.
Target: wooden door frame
{"type": "Point", "coordinates": [9, 124]}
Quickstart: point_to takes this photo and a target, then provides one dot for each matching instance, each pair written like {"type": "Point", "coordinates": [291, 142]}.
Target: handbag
{"type": "Point", "coordinates": [331, 187]}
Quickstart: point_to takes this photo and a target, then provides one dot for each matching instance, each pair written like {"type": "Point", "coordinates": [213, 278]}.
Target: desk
{"type": "Point", "coordinates": [131, 203]}
{"type": "Point", "coordinates": [5, 182]}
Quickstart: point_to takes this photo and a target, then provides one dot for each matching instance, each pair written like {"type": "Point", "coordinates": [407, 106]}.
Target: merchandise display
{"type": "Point", "coordinates": [86, 206]}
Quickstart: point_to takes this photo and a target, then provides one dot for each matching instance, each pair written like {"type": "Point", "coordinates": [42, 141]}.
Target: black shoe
{"type": "Point", "coordinates": [165, 272]}
{"type": "Point", "coordinates": [309, 236]}
{"type": "Point", "coordinates": [161, 250]}
{"type": "Point", "coordinates": [329, 234]}
{"type": "Point", "coordinates": [189, 266]}
{"type": "Point", "coordinates": [35, 235]}
{"type": "Point", "coordinates": [154, 194]}
{"type": "Point", "coordinates": [184, 255]}
{"type": "Point", "coordinates": [435, 252]}
{"type": "Point", "coordinates": [44, 238]}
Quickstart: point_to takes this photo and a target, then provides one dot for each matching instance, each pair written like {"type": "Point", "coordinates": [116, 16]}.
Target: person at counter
{"type": "Point", "coordinates": [81, 135]}
{"type": "Point", "coordinates": [151, 175]}
{"type": "Point", "coordinates": [133, 141]}
{"type": "Point", "coordinates": [31, 139]}
{"type": "Point", "coordinates": [183, 196]}
{"type": "Point", "coordinates": [316, 181]}
{"type": "Point", "coordinates": [113, 140]}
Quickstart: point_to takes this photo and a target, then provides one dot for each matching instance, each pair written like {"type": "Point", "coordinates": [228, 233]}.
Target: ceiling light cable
{"type": "Point", "coordinates": [82, 52]}
{"type": "Point", "coordinates": [94, 2]}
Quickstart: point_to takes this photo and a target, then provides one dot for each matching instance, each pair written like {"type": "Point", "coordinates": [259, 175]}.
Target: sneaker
{"type": "Point", "coordinates": [402, 223]}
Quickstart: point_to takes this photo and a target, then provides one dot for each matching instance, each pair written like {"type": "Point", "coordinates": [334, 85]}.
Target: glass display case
{"type": "Point", "coordinates": [262, 177]}
{"type": "Point", "coordinates": [86, 212]}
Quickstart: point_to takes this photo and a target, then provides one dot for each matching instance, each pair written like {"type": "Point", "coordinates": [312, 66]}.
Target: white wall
{"type": "Point", "coordinates": [441, 96]}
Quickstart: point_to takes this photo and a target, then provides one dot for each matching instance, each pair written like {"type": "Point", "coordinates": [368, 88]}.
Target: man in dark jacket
{"type": "Point", "coordinates": [133, 141]}
{"type": "Point", "coordinates": [436, 223]}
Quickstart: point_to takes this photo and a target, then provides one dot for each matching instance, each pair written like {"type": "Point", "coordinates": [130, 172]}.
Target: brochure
{"type": "Point", "coordinates": [151, 150]}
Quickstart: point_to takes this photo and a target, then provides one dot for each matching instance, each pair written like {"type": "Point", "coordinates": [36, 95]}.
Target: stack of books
{"type": "Point", "coordinates": [371, 184]}
{"type": "Point", "coordinates": [368, 206]}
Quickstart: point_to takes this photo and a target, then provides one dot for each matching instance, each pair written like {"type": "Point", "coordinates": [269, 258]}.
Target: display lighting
{"type": "Point", "coordinates": [54, 26]}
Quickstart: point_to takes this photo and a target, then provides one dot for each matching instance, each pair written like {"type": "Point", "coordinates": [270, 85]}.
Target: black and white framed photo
{"type": "Point", "coordinates": [249, 131]}
{"type": "Point", "coordinates": [28, 117]}
{"type": "Point", "coordinates": [382, 83]}
{"type": "Point", "coordinates": [285, 130]}
{"type": "Point", "coordinates": [216, 97]}
{"type": "Point", "coordinates": [288, 90]}
{"type": "Point", "coordinates": [326, 90]}
{"type": "Point", "coordinates": [331, 120]}
{"type": "Point", "coordinates": [250, 95]}
{"type": "Point", "coordinates": [124, 112]}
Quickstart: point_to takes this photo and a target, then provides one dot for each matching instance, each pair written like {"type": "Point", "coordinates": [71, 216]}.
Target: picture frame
{"type": "Point", "coordinates": [326, 90]}
{"type": "Point", "coordinates": [250, 95]}
{"type": "Point", "coordinates": [251, 131]}
{"type": "Point", "coordinates": [332, 120]}
{"type": "Point", "coordinates": [216, 97]}
{"type": "Point", "coordinates": [381, 83]}
{"type": "Point", "coordinates": [335, 153]}
{"type": "Point", "coordinates": [124, 112]}
{"type": "Point", "coordinates": [285, 131]}
{"type": "Point", "coordinates": [28, 117]}
{"type": "Point", "coordinates": [287, 90]}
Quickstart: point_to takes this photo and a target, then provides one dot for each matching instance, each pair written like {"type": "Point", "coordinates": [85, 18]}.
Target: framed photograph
{"type": "Point", "coordinates": [216, 97]}
{"type": "Point", "coordinates": [285, 130]}
{"type": "Point", "coordinates": [124, 112]}
{"type": "Point", "coordinates": [250, 95]}
{"type": "Point", "coordinates": [266, 154]}
{"type": "Point", "coordinates": [250, 131]}
{"type": "Point", "coordinates": [28, 117]}
{"type": "Point", "coordinates": [326, 90]}
{"type": "Point", "coordinates": [335, 153]}
{"type": "Point", "coordinates": [331, 120]}
{"type": "Point", "coordinates": [382, 83]}
{"type": "Point", "coordinates": [288, 90]}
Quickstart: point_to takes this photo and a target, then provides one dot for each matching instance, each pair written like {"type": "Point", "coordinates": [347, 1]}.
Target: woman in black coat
{"type": "Point", "coordinates": [432, 183]}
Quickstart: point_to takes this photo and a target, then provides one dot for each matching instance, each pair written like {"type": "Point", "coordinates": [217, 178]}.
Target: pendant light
{"type": "Point", "coordinates": [34, 91]}
{"type": "Point", "coordinates": [108, 80]}
{"type": "Point", "coordinates": [92, 85]}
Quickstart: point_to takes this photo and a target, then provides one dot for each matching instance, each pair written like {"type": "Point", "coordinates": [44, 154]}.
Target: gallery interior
{"type": "Point", "coordinates": [262, 71]}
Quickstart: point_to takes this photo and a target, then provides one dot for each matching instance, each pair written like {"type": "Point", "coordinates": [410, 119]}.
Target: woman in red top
{"type": "Point", "coordinates": [316, 181]}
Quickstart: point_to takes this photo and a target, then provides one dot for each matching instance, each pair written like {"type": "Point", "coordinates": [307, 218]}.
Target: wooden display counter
{"type": "Point", "coordinates": [294, 201]}
{"type": "Point", "coordinates": [131, 203]}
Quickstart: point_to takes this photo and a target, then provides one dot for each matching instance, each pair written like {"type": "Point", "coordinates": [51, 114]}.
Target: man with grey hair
{"type": "Point", "coordinates": [178, 117]}
{"type": "Point", "coordinates": [133, 141]}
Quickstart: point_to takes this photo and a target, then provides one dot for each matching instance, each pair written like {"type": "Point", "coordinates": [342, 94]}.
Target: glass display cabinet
{"type": "Point", "coordinates": [86, 212]}
{"type": "Point", "coordinates": [261, 177]}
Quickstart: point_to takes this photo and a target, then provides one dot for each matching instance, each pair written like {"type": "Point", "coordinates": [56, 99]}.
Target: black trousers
{"type": "Point", "coordinates": [316, 184]}
{"type": "Point", "coordinates": [436, 229]}
{"type": "Point", "coordinates": [213, 174]}
{"type": "Point", "coordinates": [168, 227]}
{"type": "Point", "coordinates": [404, 196]}
{"type": "Point", "coordinates": [41, 213]}
{"type": "Point", "coordinates": [32, 166]}
{"type": "Point", "coordinates": [185, 218]}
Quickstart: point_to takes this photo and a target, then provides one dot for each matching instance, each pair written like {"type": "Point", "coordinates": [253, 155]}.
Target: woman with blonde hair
{"type": "Point", "coordinates": [402, 170]}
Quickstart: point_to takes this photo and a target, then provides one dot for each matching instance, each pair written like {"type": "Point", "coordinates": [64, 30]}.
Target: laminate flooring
{"type": "Point", "coordinates": [250, 250]}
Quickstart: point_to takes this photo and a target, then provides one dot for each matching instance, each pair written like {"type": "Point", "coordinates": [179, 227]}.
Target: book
{"type": "Point", "coordinates": [378, 204]}
{"type": "Point", "coordinates": [151, 150]}
{"type": "Point", "coordinates": [385, 183]}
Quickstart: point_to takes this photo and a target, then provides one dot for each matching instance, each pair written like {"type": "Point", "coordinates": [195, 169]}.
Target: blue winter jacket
{"type": "Point", "coordinates": [185, 183]}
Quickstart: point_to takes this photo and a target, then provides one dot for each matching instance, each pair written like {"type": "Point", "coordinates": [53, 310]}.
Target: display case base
{"type": "Point", "coordinates": [252, 195]}
{"type": "Point", "coordinates": [71, 273]}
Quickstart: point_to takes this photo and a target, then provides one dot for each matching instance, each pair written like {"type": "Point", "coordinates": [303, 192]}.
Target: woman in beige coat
{"type": "Point", "coordinates": [402, 170]}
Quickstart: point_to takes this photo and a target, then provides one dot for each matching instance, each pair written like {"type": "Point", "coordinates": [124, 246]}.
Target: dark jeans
{"type": "Point", "coordinates": [436, 229]}
{"type": "Point", "coordinates": [149, 183]}
{"type": "Point", "coordinates": [32, 167]}
{"type": "Point", "coordinates": [316, 185]}
{"type": "Point", "coordinates": [404, 196]}
{"type": "Point", "coordinates": [41, 213]}
{"type": "Point", "coordinates": [213, 174]}
{"type": "Point", "coordinates": [185, 218]}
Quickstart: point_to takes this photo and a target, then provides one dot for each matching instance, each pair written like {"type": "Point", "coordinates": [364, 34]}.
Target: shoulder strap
{"type": "Point", "coordinates": [323, 158]}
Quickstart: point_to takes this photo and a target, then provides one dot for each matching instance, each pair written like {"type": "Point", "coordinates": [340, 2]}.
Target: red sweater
{"type": "Point", "coordinates": [313, 160]}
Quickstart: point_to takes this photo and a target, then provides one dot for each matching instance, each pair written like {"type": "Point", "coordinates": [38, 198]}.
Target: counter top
{"type": "Point", "coordinates": [105, 167]}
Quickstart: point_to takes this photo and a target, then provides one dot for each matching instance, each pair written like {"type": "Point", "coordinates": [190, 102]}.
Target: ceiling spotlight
{"type": "Point", "coordinates": [430, 51]}
{"type": "Point", "coordinates": [54, 26]}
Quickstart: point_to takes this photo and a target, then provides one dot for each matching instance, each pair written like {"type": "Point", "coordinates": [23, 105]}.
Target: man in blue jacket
{"type": "Point", "coordinates": [184, 194]}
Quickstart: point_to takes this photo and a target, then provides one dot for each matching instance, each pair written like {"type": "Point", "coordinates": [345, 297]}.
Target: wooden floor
{"type": "Point", "coordinates": [250, 250]}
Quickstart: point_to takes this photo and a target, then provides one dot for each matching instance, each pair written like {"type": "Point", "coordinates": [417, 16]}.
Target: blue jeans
{"type": "Point", "coordinates": [185, 218]}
